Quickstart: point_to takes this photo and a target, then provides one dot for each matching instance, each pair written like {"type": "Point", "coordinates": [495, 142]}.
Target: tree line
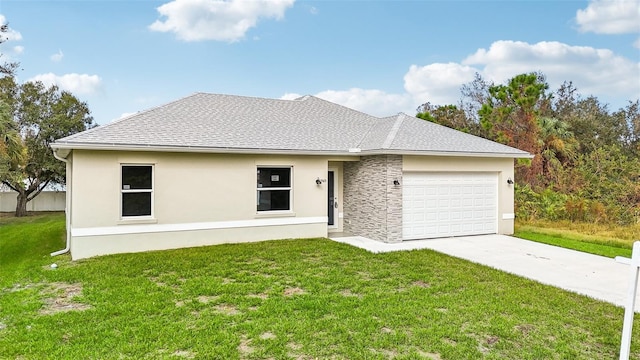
{"type": "Point", "coordinates": [586, 163]}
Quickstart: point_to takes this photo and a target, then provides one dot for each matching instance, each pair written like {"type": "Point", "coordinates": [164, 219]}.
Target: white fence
{"type": "Point", "coordinates": [46, 201]}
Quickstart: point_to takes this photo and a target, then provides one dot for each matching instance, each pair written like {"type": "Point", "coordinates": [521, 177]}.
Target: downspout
{"type": "Point", "coordinates": [67, 209]}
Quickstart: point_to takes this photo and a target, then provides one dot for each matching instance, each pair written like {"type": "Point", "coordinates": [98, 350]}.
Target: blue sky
{"type": "Point", "coordinates": [380, 57]}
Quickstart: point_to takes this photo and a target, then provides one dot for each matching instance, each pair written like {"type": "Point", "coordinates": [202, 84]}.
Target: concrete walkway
{"type": "Point", "coordinates": [592, 275]}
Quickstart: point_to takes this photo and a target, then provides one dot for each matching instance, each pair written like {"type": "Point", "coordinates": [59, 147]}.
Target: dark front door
{"type": "Point", "coordinates": [331, 196]}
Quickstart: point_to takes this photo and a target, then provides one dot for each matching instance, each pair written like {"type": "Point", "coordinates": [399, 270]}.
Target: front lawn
{"type": "Point", "coordinates": [292, 299]}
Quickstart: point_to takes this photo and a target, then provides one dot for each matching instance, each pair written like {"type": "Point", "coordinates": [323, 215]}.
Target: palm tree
{"type": "Point", "coordinates": [557, 145]}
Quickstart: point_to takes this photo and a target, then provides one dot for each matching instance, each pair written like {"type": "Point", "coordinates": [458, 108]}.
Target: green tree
{"type": "Point", "coordinates": [557, 147]}
{"type": "Point", "coordinates": [473, 95]}
{"type": "Point", "coordinates": [449, 116]}
{"type": "Point", "coordinates": [40, 114]}
{"type": "Point", "coordinates": [612, 178]}
{"type": "Point", "coordinates": [510, 116]}
{"type": "Point", "coordinates": [11, 147]}
{"type": "Point", "coordinates": [630, 115]}
{"type": "Point", "coordinates": [594, 126]}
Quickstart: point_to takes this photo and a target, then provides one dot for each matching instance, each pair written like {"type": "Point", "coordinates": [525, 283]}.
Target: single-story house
{"type": "Point", "coordinates": [210, 169]}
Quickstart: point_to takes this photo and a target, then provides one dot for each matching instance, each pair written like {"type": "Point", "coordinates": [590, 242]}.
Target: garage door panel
{"type": "Point", "coordinates": [449, 204]}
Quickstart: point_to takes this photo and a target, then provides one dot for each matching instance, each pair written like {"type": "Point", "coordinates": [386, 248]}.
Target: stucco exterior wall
{"type": "Point", "coordinates": [502, 166]}
{"type": "Point", "coordinates": [198, 199]}
{"type": "Point", "coordinates": [205, 199]}
{"type": "Point", "coordinates": [372, 203]}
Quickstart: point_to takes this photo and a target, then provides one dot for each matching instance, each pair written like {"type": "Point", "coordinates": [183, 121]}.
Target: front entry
{"type": "Point", "coordinates": [331, 198]}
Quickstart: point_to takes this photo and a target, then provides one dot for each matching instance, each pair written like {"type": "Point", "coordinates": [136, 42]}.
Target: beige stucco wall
{"type": "Point", "coordinates": [211, 198]}
{"type": "Point", "coordinates": [502, 166]}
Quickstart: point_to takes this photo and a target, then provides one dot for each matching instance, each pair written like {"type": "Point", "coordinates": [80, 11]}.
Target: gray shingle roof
{"type": "Point", "coordinates": [212, 122]}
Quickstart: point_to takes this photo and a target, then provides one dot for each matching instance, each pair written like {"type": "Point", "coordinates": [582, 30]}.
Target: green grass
{"type": "Point", "coordinates": [580, 245]}
{"type": "Point", "coordinates": [598, 239]}
{"type": "Point", "coordinates": [597, 233]}
{"type": "Point", "coordinates": [289, 299]}
{"type": "Point", "coordinates": [25, 244]}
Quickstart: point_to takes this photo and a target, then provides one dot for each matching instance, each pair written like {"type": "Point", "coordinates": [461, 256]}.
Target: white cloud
{"type": "Point", "coordinates": [437, 83]}
{"type": "Point", "coordinates": [125, 115]}
{"type": "Point", "coordinates": [636, 44]}
{"type": "Point", "coordinates": [593, 71]}
{"type": "Point", "coordinates": [57, 57]}
{"type": "Point", "coordinates": [197, 20]}
{"type": "Point", "coordinates": [18, 49]}
{"type": "Point", "coordinates": [290, 96]}
{"type": "Point", "coordinates": [75, 83]}
{"type": "Point", "coordinates": [371, 101]}
{"type": "Point", "coordinates": [10, 35]}
{"type": "Point", "coordinates": [610, 17]}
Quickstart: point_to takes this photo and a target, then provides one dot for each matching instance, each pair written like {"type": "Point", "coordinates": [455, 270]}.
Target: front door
{"type": "Point", "coordinates": [331, 197]}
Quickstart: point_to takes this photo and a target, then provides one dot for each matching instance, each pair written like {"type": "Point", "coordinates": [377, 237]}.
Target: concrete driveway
{"type": "Point", "coordinates": [592, 275]}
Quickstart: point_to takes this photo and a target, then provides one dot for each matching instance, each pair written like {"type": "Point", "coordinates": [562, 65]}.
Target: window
{"type": "Point", "coordinates": [137, 190]}
{"type": "Point", "coordinates": [274, 188]}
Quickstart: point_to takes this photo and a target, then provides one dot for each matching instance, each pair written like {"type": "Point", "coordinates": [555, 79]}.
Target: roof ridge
{"type": "Point", "coordinates": [393, 132]}
{"type": "Point", "coordinates": [375, 123]}
{"type": "Point", "coordinates": [247, 97]}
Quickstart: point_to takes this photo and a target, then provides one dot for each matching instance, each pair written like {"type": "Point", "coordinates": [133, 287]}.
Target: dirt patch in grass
{"type": "Point", "coordinates": [156, 280]}
{"type": "Point", "coordinates": [386, 330]}
{"type": "Point", "coordinates": [184, 354]}
{"type": "Point", "coordinates": [488, 343]}
{"type": "Point", "coordinates": [204, 299]}
{"type": "Point", "coordinates": [294, 291]}
{"type": "Point", "coordinates": [20, 287]}
{"type": "Point", "coordinates": [245, 348]}
{"type": "Point", "coordinates": [525, 329]}
{"type": "Point", "coordinates": [227, 309]}
{"type": "Point", "coordinates": [60, 297]}
{"type": "Point", "coordinates": [267, 336]}
{"type": "Point", "coordinates": [431, 356]}
{"type": "Point", "coordinates": [349, 293]}
{"type": "Point", "coordinates": [295, 347]}
{"type": "Point", "coordinates": [421, 284]}
{"type": "Point", "coordinates": [365, 276]}
{"type": "Point", "coordinates": [389, 354]}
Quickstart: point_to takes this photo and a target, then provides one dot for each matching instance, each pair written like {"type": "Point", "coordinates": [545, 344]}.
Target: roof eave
{"type": "Point", "coordinates": [194, 149]}
{"type": "Point", "coordinates": [65, 148]}
{"type": "Point", "coordinates": [522, 155]}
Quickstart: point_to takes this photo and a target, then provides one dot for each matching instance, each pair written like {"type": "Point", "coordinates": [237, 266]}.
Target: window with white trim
{"type": "Point", "coordinates": [136, 191]}
{"type": "Point", "coordinates": [274, 188]}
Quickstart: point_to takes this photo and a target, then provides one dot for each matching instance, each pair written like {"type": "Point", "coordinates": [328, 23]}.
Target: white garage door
{"type": "Point", "coordinates": [449, 204]}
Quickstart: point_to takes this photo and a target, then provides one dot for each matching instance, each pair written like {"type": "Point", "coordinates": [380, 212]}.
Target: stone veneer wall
{"type": "Point", "coordinates": [372, 203]}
